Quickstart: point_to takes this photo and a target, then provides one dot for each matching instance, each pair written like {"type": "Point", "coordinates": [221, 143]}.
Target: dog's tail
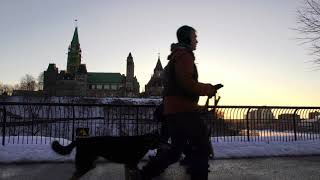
{"type": "Point", "coordinates": [63, 150]}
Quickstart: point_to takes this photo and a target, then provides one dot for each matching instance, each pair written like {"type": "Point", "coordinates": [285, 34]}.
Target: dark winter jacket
{"type": "Point", "coordinates": [182, 89]}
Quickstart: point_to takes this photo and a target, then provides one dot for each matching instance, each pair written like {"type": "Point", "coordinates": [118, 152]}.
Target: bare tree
{"type": "Point", "coordinates": [1, 88]}
{"type": "Point", "coordinates": [308, 17]}
{"type": "Point", "coordinates": [7, 89]}
{"type": "Point", "coordinates": [16, 87]}
{"type": "Point", "coordinates": [28, 83]}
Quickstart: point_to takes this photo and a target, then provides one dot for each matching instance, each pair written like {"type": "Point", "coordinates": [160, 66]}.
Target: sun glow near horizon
{"type": "Point", "coordinates": [248, 46]}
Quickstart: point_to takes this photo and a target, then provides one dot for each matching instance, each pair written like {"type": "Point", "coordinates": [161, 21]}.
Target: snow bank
{"type": "Point", "coordinates": [19, 153]}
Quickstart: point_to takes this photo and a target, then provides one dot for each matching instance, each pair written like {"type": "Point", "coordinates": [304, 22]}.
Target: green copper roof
{"type": "Point", "coordinates": [104, 78]}
{"type": "Point", "coordinates": [75, 39]}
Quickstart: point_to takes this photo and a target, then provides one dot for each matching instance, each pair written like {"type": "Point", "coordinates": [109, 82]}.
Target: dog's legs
{"type": "Point", "coordinates": [82, 171]}
{"type": "Point", "coordinates": [75, 176]}
{"type": "Point", "coordinates": [131, 171]}
{"type": "Point", "coordinates": [84, 163]}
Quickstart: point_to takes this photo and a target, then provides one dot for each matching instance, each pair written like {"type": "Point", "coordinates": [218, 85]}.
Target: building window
{"type": "Point", "coordinates": [99, 86]}
{"type": "Point", "coordinates": [106, 86]}
{"type": "Point", "coordinates": [113, 86]}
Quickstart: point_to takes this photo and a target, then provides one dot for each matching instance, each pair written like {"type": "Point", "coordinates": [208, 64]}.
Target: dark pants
{"type": "Point", "coordinates": [164, 132]}
{"type": "Point", "coordinates": [184, 128]}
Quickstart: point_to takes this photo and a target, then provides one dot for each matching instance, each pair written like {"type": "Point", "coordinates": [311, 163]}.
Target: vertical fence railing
{"type": "Point", "coordinates": [137, 120]}
{"type": "Point", "coordinates": [248, 125]}
{"type": "Point", "coordinates": [4, 113]}
{"type": "Point", "coordinates": [232, 123]}
{"type": "Point", "coordinates": [268, 123]}
{"type": "Point", "coordinates": [32, 124]}
{"type": "Point", "coordinates": [295, 124]}
{"type": "Point", "coordinates": [73, 122]}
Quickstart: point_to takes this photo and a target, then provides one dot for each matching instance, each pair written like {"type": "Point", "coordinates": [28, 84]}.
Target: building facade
{"type": "Point", "coordinates": [77, 81]}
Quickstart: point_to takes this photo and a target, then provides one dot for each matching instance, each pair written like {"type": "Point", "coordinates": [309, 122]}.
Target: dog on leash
{"type": "Point", "coordinates": [128, 150]}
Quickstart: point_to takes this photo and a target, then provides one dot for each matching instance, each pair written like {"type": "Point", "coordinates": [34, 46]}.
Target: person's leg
{"type": "Point", "coordinates": [165, 130]}
{"type": "Point", "coordinates": [162, 160]}
{"type": "Point", "coordinates": [187, 155]}
{"type": "Point", "coordinates": [164, 133]}
{"type": "Point", "coordinates": [198, 139]}
{"type": "Point", "coordinates": [211, 150]}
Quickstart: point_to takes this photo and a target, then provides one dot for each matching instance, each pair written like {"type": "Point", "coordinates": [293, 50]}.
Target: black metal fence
{"type": "Point", "coordinates": [39, 123]}
{"type": "Point", "coordinates": [266, 123]}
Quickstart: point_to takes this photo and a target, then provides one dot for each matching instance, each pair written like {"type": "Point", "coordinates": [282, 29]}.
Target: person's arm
{"type": "Point", "coordinates": [184, 69]}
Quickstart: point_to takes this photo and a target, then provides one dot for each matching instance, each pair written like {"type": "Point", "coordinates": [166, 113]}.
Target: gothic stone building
{"type": "Point", "coordinates": [77, 81]}
{"type": "Point", "coordinates": [155, 85]}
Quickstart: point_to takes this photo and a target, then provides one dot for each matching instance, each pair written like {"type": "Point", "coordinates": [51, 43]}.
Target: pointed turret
{"type": "Point", "coordinates": [158, 66]}
{"type": "Point", "coordinates": [158, 69]}
{"type": "Point", "coordinates": [155, 85]}
{"type": "Point", "coordinates": [74, 54]}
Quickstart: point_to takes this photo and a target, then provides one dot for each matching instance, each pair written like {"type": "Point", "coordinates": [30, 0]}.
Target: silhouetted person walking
{"type": "Point", "coordinates": [181, 95]}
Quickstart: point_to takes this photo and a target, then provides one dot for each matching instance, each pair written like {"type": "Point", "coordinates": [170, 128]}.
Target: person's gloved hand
{"type": "Point", "coordinates": [213, 89]}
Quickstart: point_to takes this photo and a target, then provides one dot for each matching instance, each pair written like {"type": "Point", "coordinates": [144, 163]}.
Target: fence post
{"type": "Point", "coordinates": [4, 125]}
{"type": "Point", "coordinates": [73, 121]}
{"type": "Point", "coordinates": [32, 124]}
{"type": "Point", "coordinates": [294, 125]}
{"type": "Point", "coordinates": [247, 118]}
{"type": "Point", "coordinates": [137, 121]}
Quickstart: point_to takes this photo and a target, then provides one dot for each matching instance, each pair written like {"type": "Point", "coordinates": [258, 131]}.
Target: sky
{"type": "Point", "coordinates": [249, 45]}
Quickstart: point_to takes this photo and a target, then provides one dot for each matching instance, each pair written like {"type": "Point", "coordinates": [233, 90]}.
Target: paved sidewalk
{"type": "Point", "coordinates": [277, 168]}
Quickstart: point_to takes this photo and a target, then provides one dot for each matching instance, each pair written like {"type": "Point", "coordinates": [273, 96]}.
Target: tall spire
{"type": "Point", "coordinates": [75, 39]}
{"type": "Point", "coordinates": [74, 54]}
{"type": "Point", "coordinates": [130, 67]}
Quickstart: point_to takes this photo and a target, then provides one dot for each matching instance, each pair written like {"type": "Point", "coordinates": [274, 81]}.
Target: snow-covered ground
{"type": "Point", "coordinates": [42, 152]}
